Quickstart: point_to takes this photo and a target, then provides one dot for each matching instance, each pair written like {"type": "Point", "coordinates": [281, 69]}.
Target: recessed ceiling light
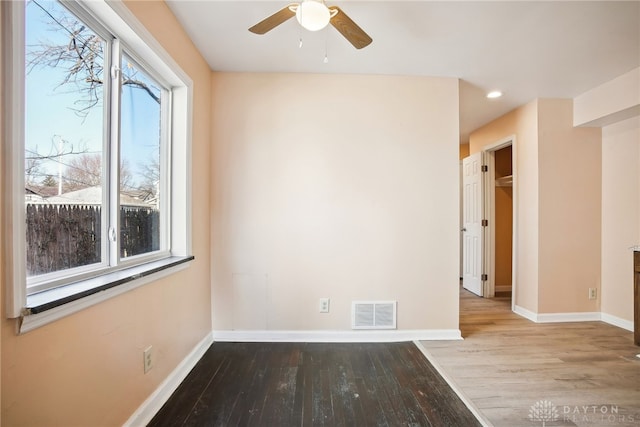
{"type": "Point", "coordinates": [494, 94]}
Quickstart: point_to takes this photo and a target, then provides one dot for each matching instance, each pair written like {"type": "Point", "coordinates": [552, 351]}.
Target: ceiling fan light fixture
{"type": "Point", "coordinates": [313, 15]}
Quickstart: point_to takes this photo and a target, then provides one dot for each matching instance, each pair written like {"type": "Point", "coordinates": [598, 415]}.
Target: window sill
{"type": "Point", "coordinates": [48, 306]}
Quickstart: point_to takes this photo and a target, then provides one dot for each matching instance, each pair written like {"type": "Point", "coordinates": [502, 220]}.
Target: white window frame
{"type": "Point", "coordinates": [71, 297]}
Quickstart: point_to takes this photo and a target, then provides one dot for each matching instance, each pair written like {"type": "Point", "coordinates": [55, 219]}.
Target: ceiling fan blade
{"type": "Point", "coordinates": [349, 29]}
{"type": "Point", "coordinates": [274, 20]}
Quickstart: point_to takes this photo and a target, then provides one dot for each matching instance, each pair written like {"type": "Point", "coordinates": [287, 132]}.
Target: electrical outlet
{"type": "Point", "coordinates": [148, 358]}
{"type": "Point", "coordinates": [593, 293]}
{"type": "Point", "coordinates": [324, 305]}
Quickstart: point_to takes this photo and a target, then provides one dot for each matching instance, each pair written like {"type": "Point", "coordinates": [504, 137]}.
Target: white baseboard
{"type": "Point", "coordinates": [574, 317]}
{"type": "Point", "coordinates": [568, 317]}
{"type": "Point", "coordinates": [153, 403]}
{"type": "Point", "coordinates": [338, 336]}
{"type": "Point", "coordinates": [617, 321]}
{"type": "Point", "coordinates": [454, 386]}
{"type": "Point", "coordinates": [557, 317]}
{"type": "Point", "coordinates": [529, 315]}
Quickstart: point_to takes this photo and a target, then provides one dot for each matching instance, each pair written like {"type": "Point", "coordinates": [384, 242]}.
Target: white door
{"type": "Point", "coordinates": [472, 232]}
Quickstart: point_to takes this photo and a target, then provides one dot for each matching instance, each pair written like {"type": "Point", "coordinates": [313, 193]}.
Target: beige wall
{"type": "Point", "coordinates": [521, 123]}
{"type": "Point", "coordinates": [558, 170]}
{"type": "Point", "coordinates": [464, 151]}
{"type": "Point", "coordinates": [615, 105]}
{"type": "Point", "coordinates": [620, 215]}
{"type": "Point", "coordinates": [322, 190]}
{"type": "Point", "coordinates": [86, 369]}
{"type": "Point", "coordinates": [569, 216]}
{"type": "Point", "coordinates": [609, 103]}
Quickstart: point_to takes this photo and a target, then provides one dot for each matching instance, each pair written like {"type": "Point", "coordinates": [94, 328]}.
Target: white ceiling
{"type": "Point", "coordinates": [527, 49]}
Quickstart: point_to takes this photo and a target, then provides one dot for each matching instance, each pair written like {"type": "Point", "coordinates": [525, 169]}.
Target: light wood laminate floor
{"type": "Point", "coordinates": [520, 373]}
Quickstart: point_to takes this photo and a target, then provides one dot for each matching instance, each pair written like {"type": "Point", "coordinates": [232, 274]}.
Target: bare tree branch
{"type": "Point", "coordinates": [141, 85]}
{"type": "Point", "coordinates": [86, 171]}
{"type": "Point", "coordinates": [83, 59]}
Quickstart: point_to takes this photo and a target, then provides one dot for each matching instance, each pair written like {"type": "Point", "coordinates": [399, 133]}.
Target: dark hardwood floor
{"type": "Point", "coordinates": [319, 384]}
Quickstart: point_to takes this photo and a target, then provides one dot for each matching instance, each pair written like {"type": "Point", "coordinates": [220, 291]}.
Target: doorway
{"type": "Point", "coordinates": [500, 203]}
{"type": "Point", "coordinates": [488, 243]}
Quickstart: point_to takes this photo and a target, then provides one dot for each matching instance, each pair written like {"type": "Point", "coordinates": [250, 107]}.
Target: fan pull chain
{"type": "Point", "coordinates": [326, 56]}
{"type": "Point", "coordinates": [300, 10]}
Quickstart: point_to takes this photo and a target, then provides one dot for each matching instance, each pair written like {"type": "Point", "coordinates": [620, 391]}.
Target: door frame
{"type": "Point", "coordinates": [490, 244]}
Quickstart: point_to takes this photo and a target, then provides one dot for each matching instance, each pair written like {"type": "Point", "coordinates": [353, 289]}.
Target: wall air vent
{"type": "Point", "coordinates": [373, 314]}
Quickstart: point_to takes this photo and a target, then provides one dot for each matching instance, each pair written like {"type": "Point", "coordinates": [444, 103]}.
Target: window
{"type": "Point", "coordinates": [99, 173]}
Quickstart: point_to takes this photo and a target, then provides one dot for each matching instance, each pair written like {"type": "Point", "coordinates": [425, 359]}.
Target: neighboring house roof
{"type": "Point", "coordinates": [40, 190]}
{"type": "Point", "coordinates": [93, 196]}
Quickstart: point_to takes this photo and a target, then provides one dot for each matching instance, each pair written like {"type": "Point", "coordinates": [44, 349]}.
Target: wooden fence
{"type": "Point", "coordinates": [60, 237]}
{"type": "Point", "coordinates": [139, 231]}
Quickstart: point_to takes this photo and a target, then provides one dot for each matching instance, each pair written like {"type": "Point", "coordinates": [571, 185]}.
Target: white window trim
{"type": "Point", "coordinates": [115, 15]}
{"type": "Point", "coordinates": [13, 89]}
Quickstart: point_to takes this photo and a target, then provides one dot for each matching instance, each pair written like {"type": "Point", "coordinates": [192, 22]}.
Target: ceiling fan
{"type": "Point", "coordinates": [314, 15]}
